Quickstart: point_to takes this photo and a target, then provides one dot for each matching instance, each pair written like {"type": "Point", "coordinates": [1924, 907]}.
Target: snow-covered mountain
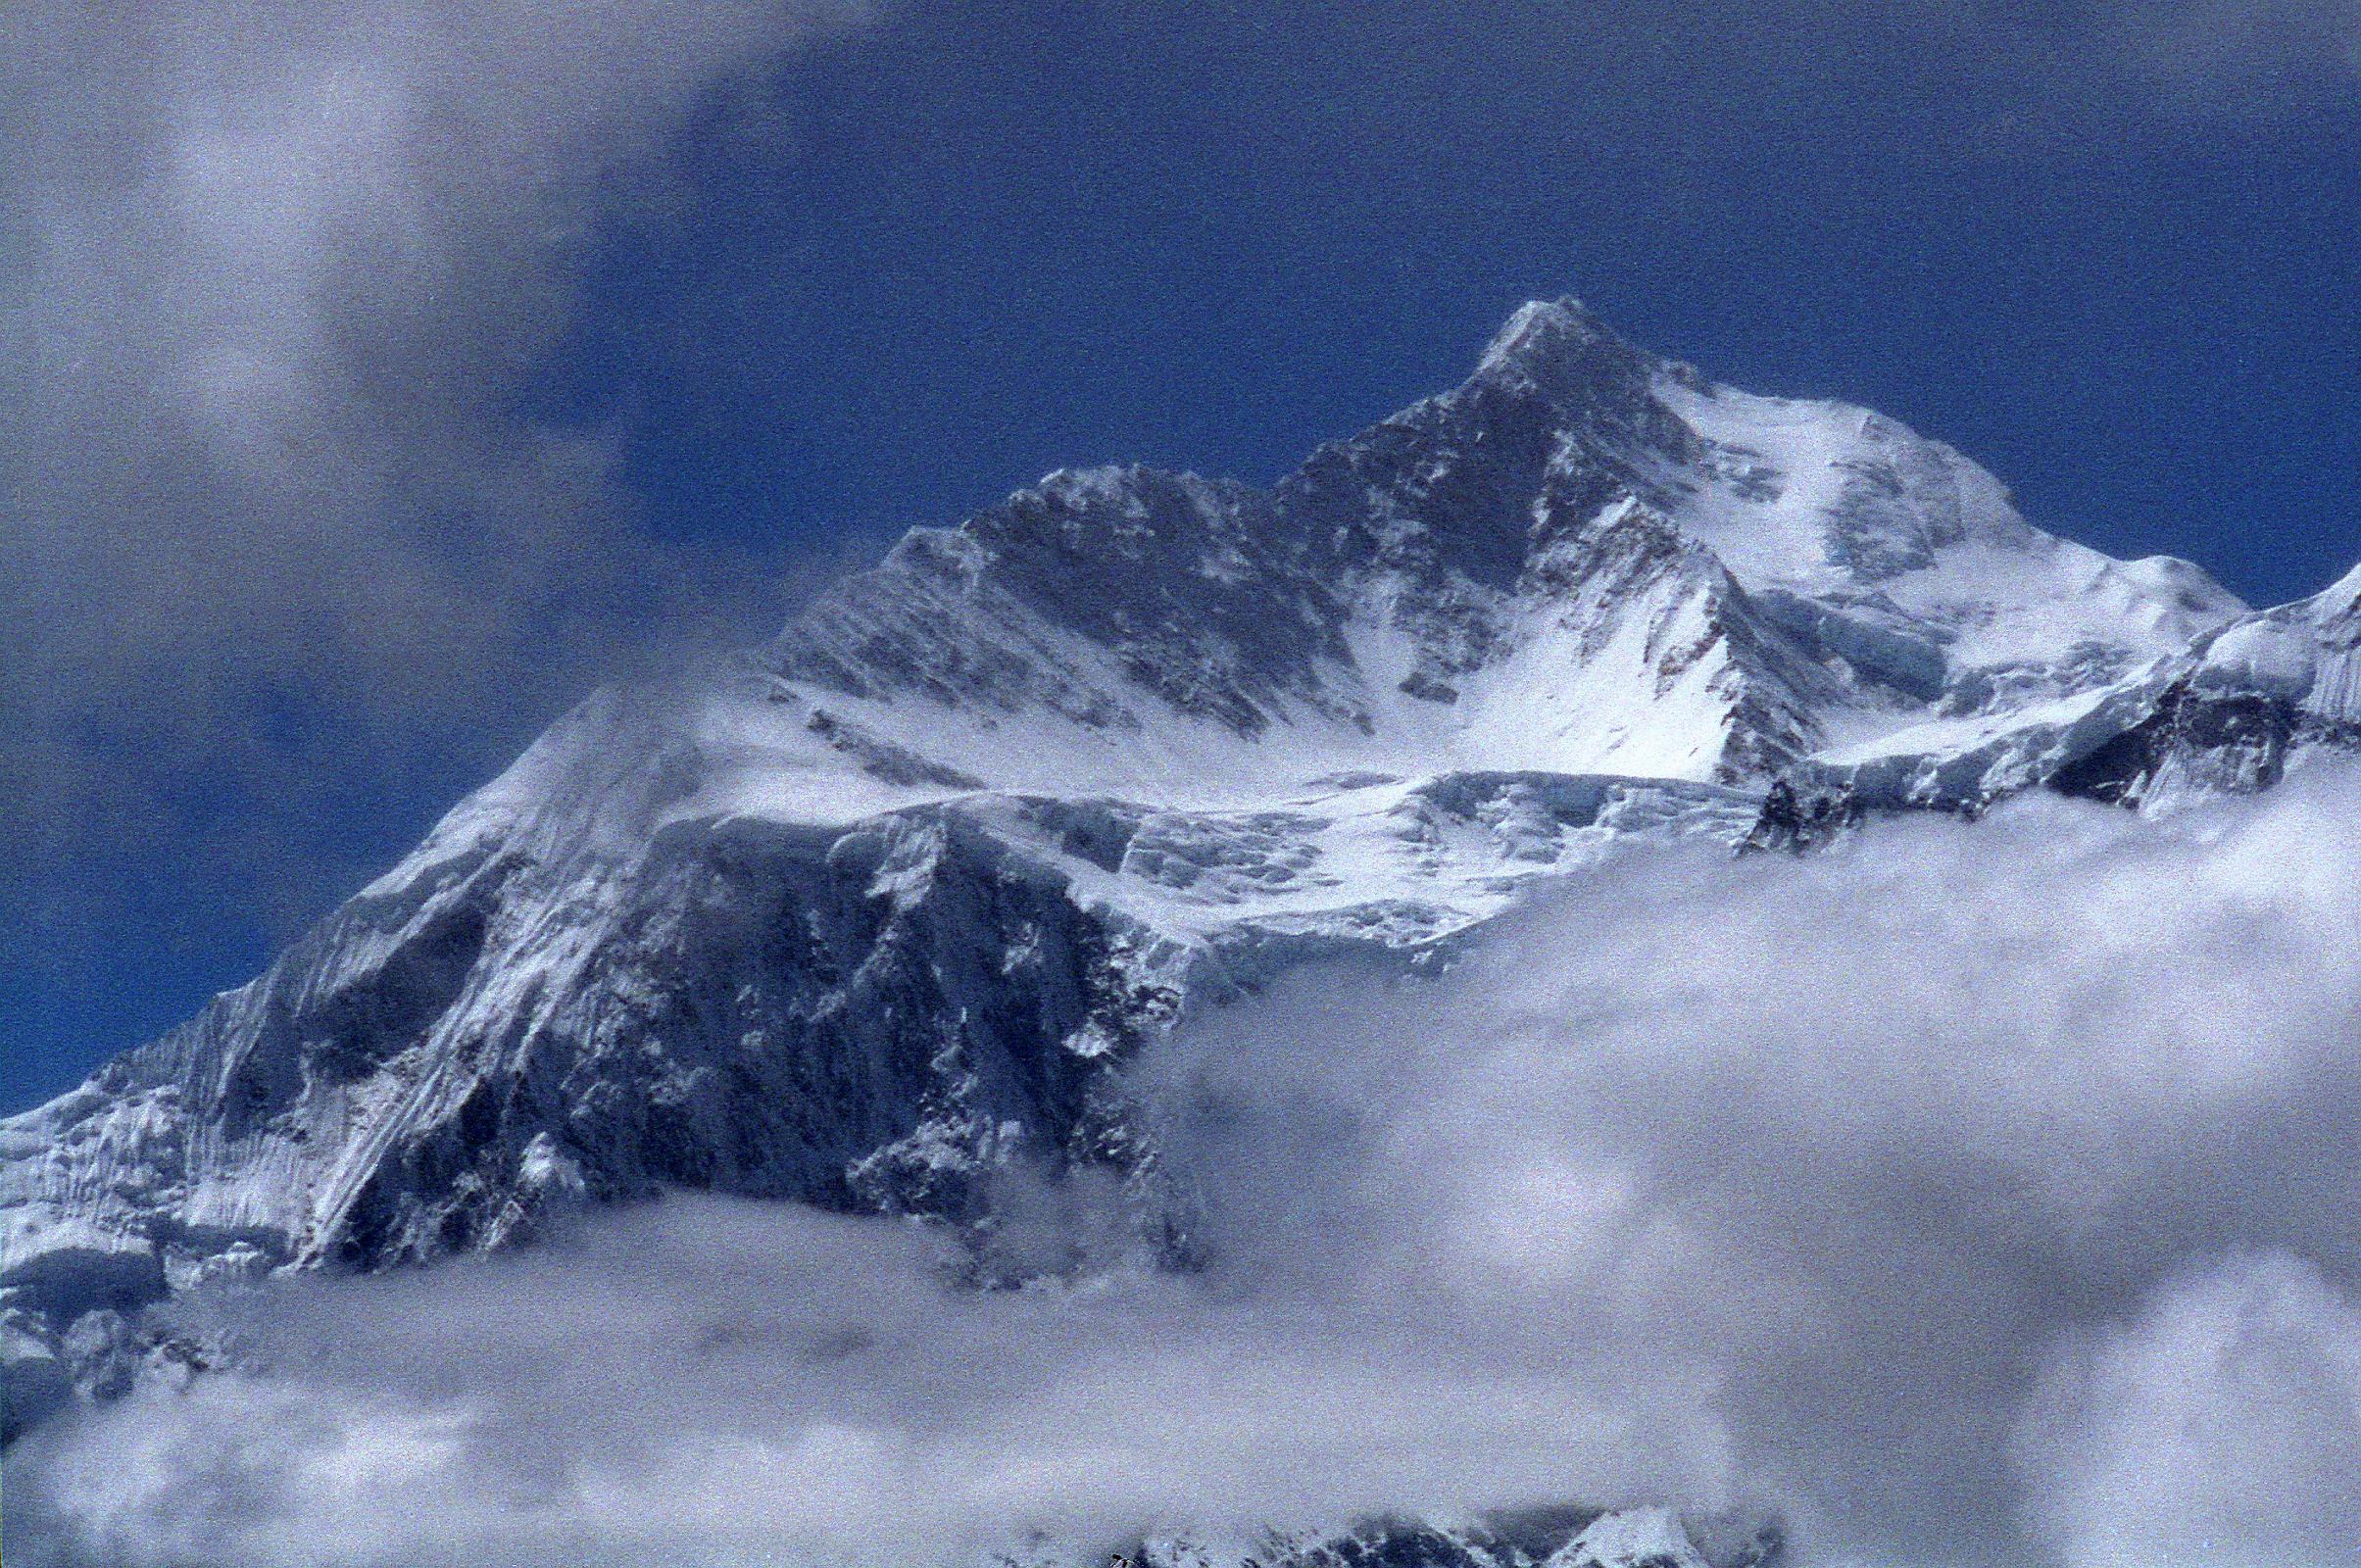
{"type": "Point", "coordinates": [873, 915]}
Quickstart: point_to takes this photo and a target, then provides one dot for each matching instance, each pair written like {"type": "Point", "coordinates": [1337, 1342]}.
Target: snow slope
{"type": "Point", "coordinates": [871, 916]}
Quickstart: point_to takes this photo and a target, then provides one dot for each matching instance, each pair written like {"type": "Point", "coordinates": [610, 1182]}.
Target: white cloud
{"type": "Point", "coordinates": [708, 1378]}
{"type": "Point", "coordinates": [2220, 1429]}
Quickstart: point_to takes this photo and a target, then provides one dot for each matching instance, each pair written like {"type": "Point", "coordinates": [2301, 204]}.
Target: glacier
{"type": "Point", "coordinates": [873, 917]}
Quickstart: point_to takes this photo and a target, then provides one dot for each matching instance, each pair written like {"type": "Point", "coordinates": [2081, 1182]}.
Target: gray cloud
{"type": "Point", "coordinates": [2222, 1426]}
{"type": "Point", "coordinates": [1968, 1194]}
{"type": "Point", "coordinates": [273, 278]}
{"type": "Point", "coordinates": [713, 1381]}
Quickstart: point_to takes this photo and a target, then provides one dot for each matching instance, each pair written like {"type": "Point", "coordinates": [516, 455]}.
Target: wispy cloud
{"type": "Point", "coordinates": [2242, 55]}
{"type": "Point", "coordinates": [271, 281]}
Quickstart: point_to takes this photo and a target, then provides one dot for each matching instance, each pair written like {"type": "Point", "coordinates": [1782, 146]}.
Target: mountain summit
{"type": "Point", "coordinates": [873, 917]}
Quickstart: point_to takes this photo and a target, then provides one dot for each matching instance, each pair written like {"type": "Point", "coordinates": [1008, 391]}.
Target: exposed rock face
{"type": "Point", "coordinates": [875, 915]}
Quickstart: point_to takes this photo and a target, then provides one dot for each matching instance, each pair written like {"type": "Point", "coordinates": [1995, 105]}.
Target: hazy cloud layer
{"type": "Point", "coordinates": [2221, 1426]}
{"type": "Point", "coordinates": [715, 1378]}
{"type": "Point", "coordinates": [1970, 1193]}
{"type": "Point", "coordinates": [2231, 53]}
{"type": "Point", "coordinates": [1920, 82]}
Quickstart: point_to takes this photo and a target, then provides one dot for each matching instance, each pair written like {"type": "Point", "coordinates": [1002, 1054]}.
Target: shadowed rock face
{"type": "Point", "coordinates": [759, 1021]}
{"type": "Point", "coordinates": [2236, 741]}
{"type": "Point", "coordinates": [874, 918]}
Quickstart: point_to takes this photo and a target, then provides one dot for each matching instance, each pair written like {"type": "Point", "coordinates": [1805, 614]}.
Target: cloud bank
{"type": "Point", "coordinates": [1967, 1194]}
{"type": "Point", "coordinates": [1897, 1149]}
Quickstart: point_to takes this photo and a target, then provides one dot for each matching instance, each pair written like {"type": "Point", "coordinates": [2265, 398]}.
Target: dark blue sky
{"type": "Point", "coordinates": [942, 258]}
{"type": "Point", "coordinates": [2108, 252]}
